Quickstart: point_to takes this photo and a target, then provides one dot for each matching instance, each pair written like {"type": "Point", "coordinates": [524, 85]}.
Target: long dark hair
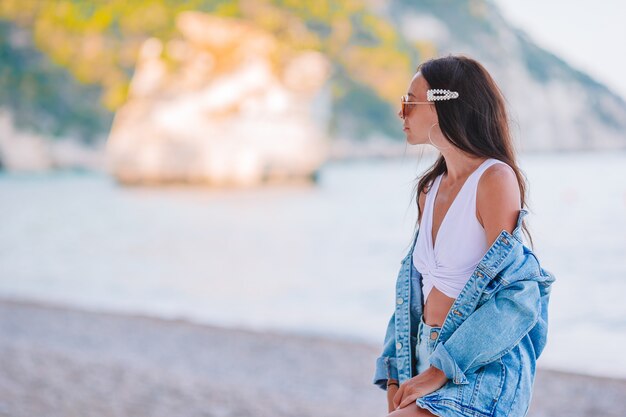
{"type": "Point", "coordinates": [476, 122]}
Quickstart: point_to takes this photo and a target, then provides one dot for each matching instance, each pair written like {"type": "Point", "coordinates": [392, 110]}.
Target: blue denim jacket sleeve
{"type": "Point", "coordinates": [490, 331]}
{"type": "Point", "coordinates": [386, 367]}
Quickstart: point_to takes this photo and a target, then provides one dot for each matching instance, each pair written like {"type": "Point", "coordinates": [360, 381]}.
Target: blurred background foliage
{"type": "Point", "coordinates": [67, 64]}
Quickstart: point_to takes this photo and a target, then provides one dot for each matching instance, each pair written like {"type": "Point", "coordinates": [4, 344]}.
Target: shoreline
{"type": "Point", "coordinates": [58, 360]}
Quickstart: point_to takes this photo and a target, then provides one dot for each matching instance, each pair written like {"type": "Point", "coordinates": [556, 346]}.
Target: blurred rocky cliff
{"type": "Point", "coordinates": [225, 103]}
{"type": "Point", "coordinates": [68, 67]}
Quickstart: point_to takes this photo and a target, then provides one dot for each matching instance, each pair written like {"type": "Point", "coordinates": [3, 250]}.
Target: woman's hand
{"type": "Point", "coordinates": [428, 381]}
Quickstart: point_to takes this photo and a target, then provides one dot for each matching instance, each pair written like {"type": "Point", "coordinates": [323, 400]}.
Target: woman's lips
{"type": "Point", "coordinates": [405, 128]}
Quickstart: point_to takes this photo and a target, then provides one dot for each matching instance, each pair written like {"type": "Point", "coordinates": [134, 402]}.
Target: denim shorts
{"type": "Point", "coordinates": [426, 338]}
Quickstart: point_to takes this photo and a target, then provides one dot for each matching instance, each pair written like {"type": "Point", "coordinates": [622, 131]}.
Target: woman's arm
{"type": "Point", "coordinates": [392, 388]}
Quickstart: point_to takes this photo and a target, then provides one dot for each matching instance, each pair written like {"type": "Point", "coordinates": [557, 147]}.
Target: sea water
{"type": "Point", "coordinates": [267, 258]}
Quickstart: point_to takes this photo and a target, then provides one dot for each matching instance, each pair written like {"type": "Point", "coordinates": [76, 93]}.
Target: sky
{"type": "Point", "coordinates": [589, 35]}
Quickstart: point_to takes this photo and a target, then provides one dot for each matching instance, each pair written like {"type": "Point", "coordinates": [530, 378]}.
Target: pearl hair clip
{"type": "Point", "coordinates": [436, 94]}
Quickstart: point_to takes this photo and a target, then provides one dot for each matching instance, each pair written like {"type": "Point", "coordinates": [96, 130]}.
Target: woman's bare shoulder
{"type": "Point", "coordinates": [498, 200]}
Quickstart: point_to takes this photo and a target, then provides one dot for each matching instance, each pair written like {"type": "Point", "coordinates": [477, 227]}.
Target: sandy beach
{"type": "Point", "coordinates": [57, 361]}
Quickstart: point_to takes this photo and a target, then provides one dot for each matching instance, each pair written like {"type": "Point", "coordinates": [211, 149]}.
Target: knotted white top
{"type": "Point", "coordinates": [460, 243]}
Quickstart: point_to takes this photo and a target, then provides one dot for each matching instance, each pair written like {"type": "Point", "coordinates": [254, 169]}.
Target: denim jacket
{"type": "Point", "coordinates": [490, 340]}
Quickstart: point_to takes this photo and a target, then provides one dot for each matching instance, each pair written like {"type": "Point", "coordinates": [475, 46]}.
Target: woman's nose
{"type": "Point", "coordinates": [400, 113]}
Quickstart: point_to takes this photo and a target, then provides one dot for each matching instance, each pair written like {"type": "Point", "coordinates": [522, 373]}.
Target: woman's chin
{"type": "Point", "coordinates": [410, 139]}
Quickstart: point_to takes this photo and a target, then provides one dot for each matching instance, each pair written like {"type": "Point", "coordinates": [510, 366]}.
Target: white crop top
{"type": "Point", "coordinates": [460, 243]}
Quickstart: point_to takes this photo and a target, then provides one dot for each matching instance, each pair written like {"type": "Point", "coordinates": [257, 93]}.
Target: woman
{"type": "Point", "coordinates": [470, 319]}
